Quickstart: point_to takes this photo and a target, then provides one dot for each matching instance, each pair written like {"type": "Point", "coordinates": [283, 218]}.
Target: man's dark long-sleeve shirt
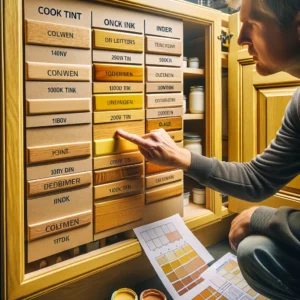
{"type": "Point", "coordinates": [261, 178]}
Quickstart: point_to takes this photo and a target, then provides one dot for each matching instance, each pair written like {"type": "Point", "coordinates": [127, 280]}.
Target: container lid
{"type": "Point", "coordinates": [197, 190]}
{"type": "Point", "coordinates": [196, 87]}
{"type": "Point", "coordinates": [124, 293]}
{"type": "Point", "coordinates": [152, 294]}
{"type": "Point", "coordinates": [192, 136]}
{"type": "Point", "coordinates": [193, 59]}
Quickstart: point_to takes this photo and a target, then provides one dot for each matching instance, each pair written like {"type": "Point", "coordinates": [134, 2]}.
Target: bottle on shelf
{"type": "Point", "coordinates": [192, 142]}
{"type": "Point", "coordinates": [193, 62]}
{"type": "Point", "coordinates": [196, 100]}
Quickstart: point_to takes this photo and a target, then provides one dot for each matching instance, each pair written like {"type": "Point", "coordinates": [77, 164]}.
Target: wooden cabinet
{"type": "Point", "coordinates": [256, 108]}
{"type": "Point", "coordinates": [196, 31]}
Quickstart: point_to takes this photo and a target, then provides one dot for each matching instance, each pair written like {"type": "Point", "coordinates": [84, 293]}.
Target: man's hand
{"type": "Point", "coordinates": [240, 227]}
{"type": "Point", "coordinates": [159, 148]}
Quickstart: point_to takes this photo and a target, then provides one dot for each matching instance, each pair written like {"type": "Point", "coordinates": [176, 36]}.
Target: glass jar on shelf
{"type": "Point", "coordinates": [193, 62]}
{"type": "Point", "coordinates": [184, 103]}
{"type": "Point", "coordinates": [196, 100]}
{"type": "Point", "coordinates": [184, 62]}
{"type": "Point", "coordinates": [192, 142]}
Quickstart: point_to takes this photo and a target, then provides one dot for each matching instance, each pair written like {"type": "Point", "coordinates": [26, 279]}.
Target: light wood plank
{"type": "Point", "coordinates": [155, 113]}
{"type": "Point", "coordinates": [163, 192]}
{"type": "Point", "coordinates": [39, 230]}
{"type": "Point", "coordinates": [113, 146]}
{"type": "Point", "coordinates": [163, 60]}
{"type": "Point", "coordinates": [164, 100]}
{"type": "Point", "coordinates": [119, 87]}
{"type": "Point", "coordinates": [165, 123]}
{"type": "Point", "coordinates": [113, 57]}
{"type": "Point", "coordinates": [159, 74]}
{"type": "Point", "coordinates": [118, 116]}
{"type": "Point", "coordinates": [163, 178]}
{"type": "Point", "coordinates": [164, 46]}
{"type": "Point", "coordinates": [154, 87]}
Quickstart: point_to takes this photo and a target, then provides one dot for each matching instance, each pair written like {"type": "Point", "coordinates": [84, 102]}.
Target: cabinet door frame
{"type": "Point", "coordinates": [25, 286]}
{"type": "Point", "coordinates": [241, 129]}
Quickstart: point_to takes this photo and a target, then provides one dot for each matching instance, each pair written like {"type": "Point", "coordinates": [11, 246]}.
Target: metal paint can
{"type": "Point", "coordinates": [124, 294]}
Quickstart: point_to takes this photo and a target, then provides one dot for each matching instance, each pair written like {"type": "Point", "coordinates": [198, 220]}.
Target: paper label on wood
{"type": "Point", "coordinates": [48, 185]}
{"type": "Point", "coordinates": [40, 209]}
{"type": "Point", "coordinates": [108, 130]}
{"type": "Point", "coordinates": [58, 152]}
{"type": "Point", "coordinates": [165, 123]}
{"type": "Point", "coordinates": [59, 168]}
{"type": "Point", "coordinates": [157, 74]}
{"type": "Point", "coordinates": [118, 188]}
{"type": "Point", "coordinates": [119, 73]}
{"type": "Point", "coordinates": [164, 87]}
{"type": "Point", "coordinates": [59, 242]}
{"type": "Point", "coordinates": [163, 26]}
{"type": "Point", "coordinates": [43, 33]}
{"type": "Point", "coordinates": [58, 120]}
{"type": "Point", "coordinates": [117, 160]}
{"type": "Point", "coordinates": [118, 57]}
{"type": "Point", "coordinates": [155, 113]}
{"type": "Point", "coordinates": [39, 230]}
{"type": "Point", "coordinates": [118, 101]}
{"type": "Point", "coordinates": [109, 40]}
{"type": "Point", "coordinates": [163, 178]}
{"type": "Point", "coordinates": [57, 72]}
{"type": "Point", "coordinates": [58, 90]}
{"type": "Point", "coordinates": [164, 100]}
{"type": "Point", "coordinates": [118, 116]}
{"type": "Point", "coordinates": [73, 13]}
{"type": "Point", "coordinates": [113, 146]}
{"type": "Point", "coordinates": [57, 55]}
{"type": "Point", "coordinates": [118, 19]}
{"type": "Point", "coordinates": [161, 45]}
{"type": "Point", "coordinates": [114, 87]}
{"type": "Point", "coordinates": [163, 60]}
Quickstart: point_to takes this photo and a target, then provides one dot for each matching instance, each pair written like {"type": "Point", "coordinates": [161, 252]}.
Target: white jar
{"type": "Point", "coordinates": [184, 103]}
{"type": "Point", "coordinates": [192, 142]}
{"type": "Point", "coordinates": [198, 196]}
{"type": "Point", "coordinates": [196, 100]}
{"type": "Point", "coordinates": [186, 197]}
{"type": "Point", "coordinates": [193, 62]}
{"type": "Point", "coordinates": [184, 62]}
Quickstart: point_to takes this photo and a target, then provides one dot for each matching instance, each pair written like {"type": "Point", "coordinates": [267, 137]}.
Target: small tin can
{"type": "Point", "coordinates": [124, 294]}
{"type": "Point", "coordinates": [152, 294]}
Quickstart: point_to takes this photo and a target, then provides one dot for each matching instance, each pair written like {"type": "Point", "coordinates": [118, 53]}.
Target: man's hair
{"type": "Point", "coordinates": [283, 11]}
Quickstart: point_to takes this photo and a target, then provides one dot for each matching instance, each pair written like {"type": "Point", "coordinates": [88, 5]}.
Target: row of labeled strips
{"type": "Point", "coordinates": [58, 92]}
{"type": "Point", "coordinates": [118, 191]}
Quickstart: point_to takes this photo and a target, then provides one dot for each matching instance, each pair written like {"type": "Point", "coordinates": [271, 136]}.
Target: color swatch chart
{"type": "Point", "coordinates": [177, 256]}
{"type": "Point", "coordinates": [226, 279]}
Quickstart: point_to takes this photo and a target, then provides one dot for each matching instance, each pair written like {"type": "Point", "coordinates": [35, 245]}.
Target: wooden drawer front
{"type": "Point", "coordinates": [115, 87]}
{"type": "Point", "coordinates": [59, 168]}
{"type": "Point", "coordinates": [158, 74]}
{"type": "Point", "coordinates": [48, 106]}
{"type": "Point", "coordinates": [118, 116]}
{"type": "Point", "coordinates": [164, 178]}
{"type": "Point", "coordinates": [59, 242]}
{"type": "Point", "coordinates": [162, 26]}
{"type": "Point", "coordinates": [58, 90]}
{"type": "Point", "coordinates": [58, 135]}
{"type": "Point", "coordinates": [118, 160]}
{"type": "Point", "coordinates": [119, 73]}
{"type": "Point", "coordinates": [118, 101]}
{"type": "Point", "coordinates": [112, 17]}
{"type": "Point", "coordinates": [57, 72]}
{"type": "Point", "coordinates": [164, 192]}
{"type": "Point", "coordinates": [163, 46]}
{"type": "Point", "coordinates": [163, 60]}
{"type": "Point", "coordinates": [58, 152]}
{"type": "Point", "coordinates": [43, 33]}
{"type": "Point", "coordinates": [152, 168]}
{"type": "Point", "coordinates": [165, 123]}
{"type": "Point", "coordinates": [113, 146]}
{"type": "Point", "coordinates": [122, 187]}
{"type": "Point", "coordinates": [156, 113]}
{"type": "Point", "coordinates": [118, 57]}
{"type": "Point", "coordinates": [58, 183]}
{"type": "Point", "coordinates": [39, 230]}
{"type": "Point", "coordinates": [164, 87]}
{"type": "Point", "coordinates": [115, 174]}
{"type": "Point", "coordinates": [176, 136]}
{"type": "Point", "coordinates": [164, 100]}
{"type": "Point", "coordinates": [58, 120]}
{"type": "Point", "coordinates": [108, 130]}
{"type": "Point", "coordinates": [57, 55]}
{"type": "Point", "coordinates": [58, 205]}
{"type": "Point", "coordinates": [114, 213]}
{"type": "Point", "coordinates": [109, 40]}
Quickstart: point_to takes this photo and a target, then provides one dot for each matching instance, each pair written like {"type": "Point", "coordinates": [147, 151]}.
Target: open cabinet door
{"type": "Point", "coordinates": [256, 107]}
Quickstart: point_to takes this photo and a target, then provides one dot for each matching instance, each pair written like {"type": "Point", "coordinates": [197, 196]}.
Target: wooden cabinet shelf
{"type": "Point", "coordinates": [193, 73]}
{"type": "Point", "coordinates": [193, 116]}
